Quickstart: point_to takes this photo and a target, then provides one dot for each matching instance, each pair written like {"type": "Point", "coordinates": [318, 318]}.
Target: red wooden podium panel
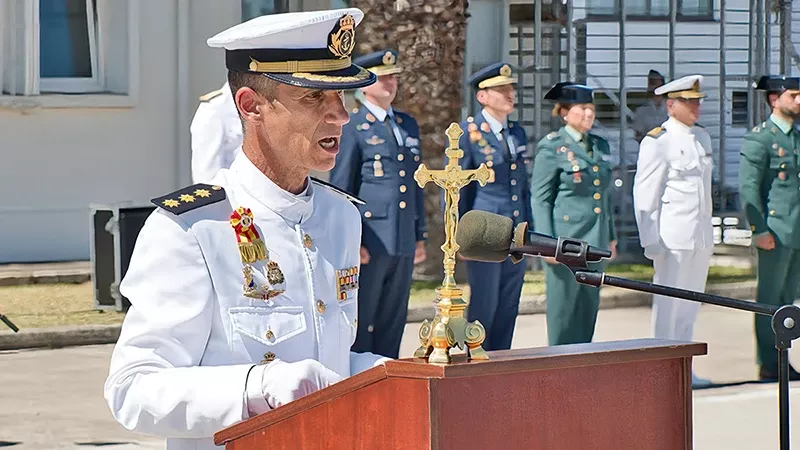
{"type": "Point", "coordinates": [613, 395]}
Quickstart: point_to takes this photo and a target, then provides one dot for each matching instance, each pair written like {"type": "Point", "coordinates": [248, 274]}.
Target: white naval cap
{"type": "Point", "coordinates": [687, 87]}
{"type": "Point", "coordinates": [307, 49]}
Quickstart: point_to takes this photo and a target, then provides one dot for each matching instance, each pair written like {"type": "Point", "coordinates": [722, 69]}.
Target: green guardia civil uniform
{"type": "Point", "coordinates": [570, 198]}
{"type": "Point", "coordinates": [769, 188]}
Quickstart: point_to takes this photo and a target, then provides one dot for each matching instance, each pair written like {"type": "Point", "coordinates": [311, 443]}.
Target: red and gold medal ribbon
{"type": "Point", "coordinates": [251, 247]}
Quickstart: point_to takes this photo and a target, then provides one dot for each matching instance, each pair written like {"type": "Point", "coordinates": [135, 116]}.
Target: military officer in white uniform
{"type": "Point", "coordinates": [673, 207]}
{"type": "Point", "coordinates": [216, 133]}
{"type": "Point", "coordinates": [244, 290]}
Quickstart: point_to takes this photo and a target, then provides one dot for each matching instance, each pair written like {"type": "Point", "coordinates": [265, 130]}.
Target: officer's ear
{"type": "Point", "coordinates": [482, 96]}
{"type": "Point", "coordinates": [248, 103]}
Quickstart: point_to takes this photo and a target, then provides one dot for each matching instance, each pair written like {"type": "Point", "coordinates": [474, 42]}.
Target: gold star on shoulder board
{"type": "Point", "coordinates": [170, 203]}
{"type": "Point", "coordinates": [202, 193]}
{"type": "Point", "coordinates": [187, 198]}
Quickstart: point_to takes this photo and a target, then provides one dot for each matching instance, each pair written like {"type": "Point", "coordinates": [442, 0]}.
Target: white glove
{"type": "Point", "coordinates": [652, 251]}
{"type": "Point", "coordinates": [278, 383]}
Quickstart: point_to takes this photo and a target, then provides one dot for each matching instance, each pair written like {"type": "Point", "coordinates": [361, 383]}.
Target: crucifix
{"type": "Point", "coordinates": [449, 327]}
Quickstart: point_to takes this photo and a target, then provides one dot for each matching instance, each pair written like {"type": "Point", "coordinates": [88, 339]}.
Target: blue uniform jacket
{"type": "Point", "coordinates": [373, 167]}
{"type": "Point", "coordinates": [509, 193]}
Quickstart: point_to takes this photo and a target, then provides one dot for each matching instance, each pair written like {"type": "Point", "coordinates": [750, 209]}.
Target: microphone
{"type": "Point", "coordinates": [483, 236]}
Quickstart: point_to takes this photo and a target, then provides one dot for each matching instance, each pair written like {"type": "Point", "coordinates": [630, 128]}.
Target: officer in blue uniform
{"type": "Point", "coordinates": [500, 143]}
{"type": "Point", "coordinates": [379, 152]}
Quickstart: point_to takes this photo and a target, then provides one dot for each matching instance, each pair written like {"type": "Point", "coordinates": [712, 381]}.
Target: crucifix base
{"type": "Point", "coordinates": [450, 329]}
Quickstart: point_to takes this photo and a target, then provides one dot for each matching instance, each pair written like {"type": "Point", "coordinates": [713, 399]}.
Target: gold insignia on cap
{"type": "Point", "coordinates": [389, 58]}
{"type": "Point", "coordinates": [505, 71]}
{"type": "Point", "coordinates": [342, 39]}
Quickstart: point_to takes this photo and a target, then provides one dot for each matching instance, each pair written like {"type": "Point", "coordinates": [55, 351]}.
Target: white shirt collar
{"type": "Point", "coordinates": [673, 124]}
{"type": "Point", "coordinates": [377, 111]}
{"type": "Point", "coordinates": [496, 126]}
{"type": "Point", "coordinates": [295, 208]}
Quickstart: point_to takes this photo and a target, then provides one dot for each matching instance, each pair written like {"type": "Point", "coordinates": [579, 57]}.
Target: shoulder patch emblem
{"type": "Point", "coordinates": [335, 189]}
{"type": "Point", "coordinates": [210, 95]}
{"type": "Point", "coordinates": [656, 132]}
{"type": "Point", "coordinates": [189, 198]}
{"type": "Point", "coordinates": [552, 135]}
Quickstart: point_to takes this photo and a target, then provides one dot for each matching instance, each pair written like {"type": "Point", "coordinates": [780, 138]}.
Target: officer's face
{"type": "Point", "coordinates": [384, 90]}
{"type": "Point", "coordinates": [580, 117]}
{"type": "Point", "coordinates": [499, 99]}
{"type": "Point", "coordinates": [684, 110]}
{"type": "Point", "coordinates": [303, 126]}
{"type": "Point", "coordinates": [789, 103]}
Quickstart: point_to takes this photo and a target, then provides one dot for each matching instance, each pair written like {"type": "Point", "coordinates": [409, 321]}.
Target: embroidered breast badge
{"type": "Point", "coordinates": [346, 281]}
{"type": "Point", "coordinates": [252, 250]}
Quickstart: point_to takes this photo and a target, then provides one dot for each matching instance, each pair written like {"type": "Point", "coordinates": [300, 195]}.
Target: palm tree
{"type": "Point", "coordinates": [430, 36]}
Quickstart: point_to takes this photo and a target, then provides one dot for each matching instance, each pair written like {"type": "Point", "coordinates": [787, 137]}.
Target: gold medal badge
{"type": "Point", "coordinates": [251, 247]}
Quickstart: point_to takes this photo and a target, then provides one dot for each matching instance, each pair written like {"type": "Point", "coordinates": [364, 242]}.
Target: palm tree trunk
{"type": "Point", "coordinates": [430, 37]}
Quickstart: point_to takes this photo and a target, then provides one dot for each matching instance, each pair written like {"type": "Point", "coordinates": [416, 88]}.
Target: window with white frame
{"type": "Point", "coordinates": [64, 47]}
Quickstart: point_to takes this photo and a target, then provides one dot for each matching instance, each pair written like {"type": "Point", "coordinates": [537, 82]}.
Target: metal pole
{"type": "Point", "coordinates": [767, 36]}
{"type": "Point", "coordinates": [570, 43]}
{"type": "Point", "coordinates": [673, 19]}
{"type": "Point", "coordinates": [537, 65]}
{"type": "Point", "coordinates": [723, 94]}
{"type": "Point", "coordinates": [751, 93]}
{"type": "Point", "coordinates": [786, 35]}
{"type": "Point", "coordinates": [623, 93]}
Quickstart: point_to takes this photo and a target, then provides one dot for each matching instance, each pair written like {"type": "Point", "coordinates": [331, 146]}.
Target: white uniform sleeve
{"type": "Point", "coordinates": [208, 136]}
{"type": "Point", "coordinates": [648, 188]}
{"type": "Point", "coordinates": [360, 362]}
{"type": "Point", "coordinates": [156, 384]}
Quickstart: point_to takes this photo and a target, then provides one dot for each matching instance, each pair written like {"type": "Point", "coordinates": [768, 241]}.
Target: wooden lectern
{"type": "Point", "coordinates": [633, 394]}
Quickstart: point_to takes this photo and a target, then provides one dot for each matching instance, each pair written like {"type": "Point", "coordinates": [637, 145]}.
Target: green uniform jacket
{"type": "Point", "coordinates": [769, 186]}
{"type": "Point", "coordinates": [569, 189]}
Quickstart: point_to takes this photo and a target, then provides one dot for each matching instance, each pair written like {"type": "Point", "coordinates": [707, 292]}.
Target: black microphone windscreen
{"type": "Point", "coordinates": [484, 236]}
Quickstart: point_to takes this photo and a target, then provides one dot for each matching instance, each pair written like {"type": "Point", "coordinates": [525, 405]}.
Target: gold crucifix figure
{"type": "Point", "coordinates": [449, 328]}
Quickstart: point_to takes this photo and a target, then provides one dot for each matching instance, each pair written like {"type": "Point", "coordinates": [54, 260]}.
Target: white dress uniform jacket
{"type": "Point", "coordinates": [672, 189]}
{"type": "Point", "coordinates": [180, 366]}
{"type": "Point", "coordinates": [216, 133]}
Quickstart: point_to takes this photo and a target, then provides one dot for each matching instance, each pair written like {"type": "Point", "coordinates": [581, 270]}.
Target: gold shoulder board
{"type": "Point", "coordinates": [210, 95]}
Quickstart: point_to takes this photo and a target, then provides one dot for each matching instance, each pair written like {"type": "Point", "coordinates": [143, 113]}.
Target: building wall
{"type": "Point", "coordinates": [59, 160]}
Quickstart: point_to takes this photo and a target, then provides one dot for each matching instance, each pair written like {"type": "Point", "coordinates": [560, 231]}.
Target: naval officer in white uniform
{"type": "Point", "coordinates": [673, 207]}
{"type": "Point", "coordinates": [216, 133]}
{"type": "Point", "coordinates": [243, 291]}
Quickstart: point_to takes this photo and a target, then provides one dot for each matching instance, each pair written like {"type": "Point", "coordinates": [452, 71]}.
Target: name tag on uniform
{"type": "Point", "coordinates": [346, 282]}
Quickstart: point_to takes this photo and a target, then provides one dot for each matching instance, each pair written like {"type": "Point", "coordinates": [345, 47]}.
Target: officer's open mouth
{"type": "Point", "coordinates": [329, 144]}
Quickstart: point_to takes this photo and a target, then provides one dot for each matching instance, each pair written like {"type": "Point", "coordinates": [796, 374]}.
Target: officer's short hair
{"type": "Point", "coordinates": [255, 81]}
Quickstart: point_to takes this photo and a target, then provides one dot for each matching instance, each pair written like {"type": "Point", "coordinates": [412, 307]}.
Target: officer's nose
{"type": "Point", "coordinates": [336, 113]}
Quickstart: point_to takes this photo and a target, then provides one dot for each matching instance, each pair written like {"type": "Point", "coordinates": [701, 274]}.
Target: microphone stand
{"type": "Point", "coordinates": [785, 319]}
{"type": "Point", "coordinates": [8, 322]}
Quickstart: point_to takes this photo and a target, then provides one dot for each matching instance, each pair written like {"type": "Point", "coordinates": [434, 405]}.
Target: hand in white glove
{"type": "Point", "coordinates": [279, 383]}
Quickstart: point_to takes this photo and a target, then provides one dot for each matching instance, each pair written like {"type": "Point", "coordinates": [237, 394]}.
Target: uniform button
{"type": "Point", "coordinates": [367, 214]}
{"type": "Point", "coordinates": [370, 328]}
{"type": "Point", "coordinates": [514, 166]}
{"type": "Point", "coordinates": [377, 157]}
{"type": "Point", "coordinates": [402, 205]}
{"type": "Point", "coordinates": [566, 218]}
{"type": "Point", "coordinates": [401, 157]}
{"type": "Point", "coordinates": [321, 307]}
{"type": "Point", "coordinates": [513, 182]}
{"type": "Point", "coordinates": [402, 173]}
{"type": "Point", "coordinates": [595, 168]}
{"type": "Point", "coordinates": [489, 163]}
{"type": "Point", "coordinates": [575, 168]}
{"type": "Point", "coordinates": [307, 240]}
{"type": "Point", "coordinates": [597, 182]}
{"type": "Point", "coordinates": [514, 198]}
{"type": "Point", "coordinates": [596, 196]}
{"type": "Point", "coordinates": [597, 210]}
{"type": "Point", "coordinates": [403, 188]}
{"type": "Point", "coordinates": [516, 213]}
{"type": "Point", "coordinates": [416, 157]}
{"type": "Point", "coordinates": [771, 212]}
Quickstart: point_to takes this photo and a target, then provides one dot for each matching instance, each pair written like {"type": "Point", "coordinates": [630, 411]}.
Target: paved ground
{"type": "Point", "coordinates": [52, 399]}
